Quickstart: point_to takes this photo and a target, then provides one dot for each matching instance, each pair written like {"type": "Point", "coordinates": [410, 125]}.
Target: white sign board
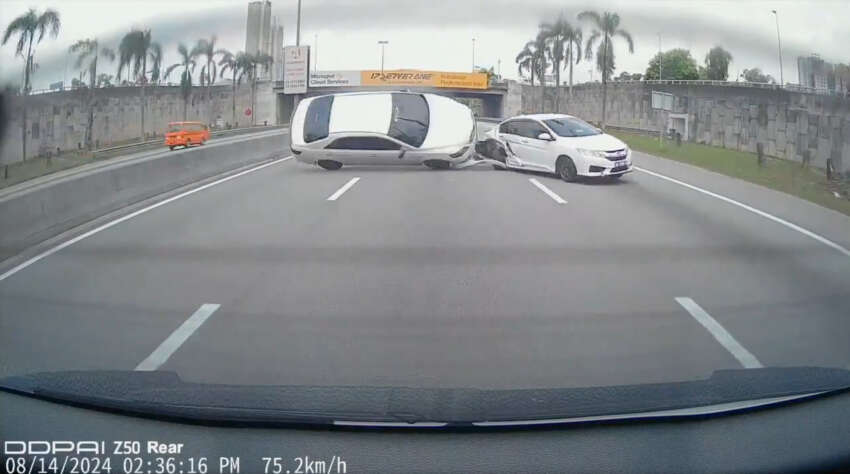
{"type": "Point", "coordinates": [295, 69]}
{"type": "Point", "coordinates": [662, 100]}
{"type": "Point", "coordinates": [334, 78]}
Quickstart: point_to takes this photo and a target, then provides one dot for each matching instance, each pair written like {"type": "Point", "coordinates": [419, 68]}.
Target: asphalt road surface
{"type": "Point", "coordinates": [290, 274]}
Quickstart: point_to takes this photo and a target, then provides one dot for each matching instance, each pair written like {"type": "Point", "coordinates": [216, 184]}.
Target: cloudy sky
{"type": "Point", "coordinates": [438, 34]}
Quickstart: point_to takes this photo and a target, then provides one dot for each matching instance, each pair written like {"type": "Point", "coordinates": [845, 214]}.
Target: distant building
{"type": "Point", "coordinates": [277, 50]}
{"type": "Point", "coordinates": [815, 73]}
{"type": "Point", "coordinates": [258, 28]}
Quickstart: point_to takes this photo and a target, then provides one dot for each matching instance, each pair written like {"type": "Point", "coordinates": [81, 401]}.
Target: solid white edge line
{"type": "Point", "coordinates": [173, 342]}
{"type": "Point", "coordinates": [759, 212]}
{"type": "Point", "coordinates": [119, 220]}
{"type": "Point", "coordinates": [548, 191]}
{"type": "Point", "coordinates": [345, 187]}
{"type": "Point", "coordinates": [745, 357]}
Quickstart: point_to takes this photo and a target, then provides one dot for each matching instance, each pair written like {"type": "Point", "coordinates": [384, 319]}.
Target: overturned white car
{"type": "Point", "coordinates": [378, 128]}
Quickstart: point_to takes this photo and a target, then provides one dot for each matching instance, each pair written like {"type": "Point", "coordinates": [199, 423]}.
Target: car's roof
{"type": "Point", "coordinates": [540, 116]}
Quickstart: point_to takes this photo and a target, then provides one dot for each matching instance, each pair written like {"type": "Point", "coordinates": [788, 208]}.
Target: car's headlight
{"type": "Point", "coordinates": [592, 153]}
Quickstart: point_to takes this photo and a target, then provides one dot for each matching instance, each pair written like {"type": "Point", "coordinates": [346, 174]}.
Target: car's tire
{"type": "Point", "coordinates": [437, 164]}
{"type": "Point", "coordinates": [329, 165]}
{"type": "Point", "coordinates": [500, 168]}
{"type": "Point", "coordinates": [171, 147]}
{"type": "Point", "coordinates": [566, 169]}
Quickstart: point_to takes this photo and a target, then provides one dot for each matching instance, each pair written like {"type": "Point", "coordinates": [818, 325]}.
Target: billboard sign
{"type": "Point", "coordinates": [459, 80]}
{"type": "Point", "coordinates": [295, 69]}
{"type": "Point", "coordinates": [334, 78]}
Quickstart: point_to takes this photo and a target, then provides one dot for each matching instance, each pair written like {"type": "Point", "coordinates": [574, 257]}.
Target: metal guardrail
{"type": "Point", "coordinates": [160, 141]}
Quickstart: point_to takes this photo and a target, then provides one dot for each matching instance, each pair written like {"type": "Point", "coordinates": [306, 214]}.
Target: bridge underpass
{"type": "Point", "coordinates": [485, 103]}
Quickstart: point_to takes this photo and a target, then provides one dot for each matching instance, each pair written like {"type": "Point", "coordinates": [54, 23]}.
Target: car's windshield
{"type": "Point", "coordinates": [423, 196]}
{"type": "Point", "coordinates": [571, 127]}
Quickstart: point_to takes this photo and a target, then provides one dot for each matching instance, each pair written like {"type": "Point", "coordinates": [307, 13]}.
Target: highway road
{"type": "Point", "coordinates": [289, 274]}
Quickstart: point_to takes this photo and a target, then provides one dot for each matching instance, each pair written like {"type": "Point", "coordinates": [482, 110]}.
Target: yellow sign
{"type": "Point", "coordinates": [453, 80]}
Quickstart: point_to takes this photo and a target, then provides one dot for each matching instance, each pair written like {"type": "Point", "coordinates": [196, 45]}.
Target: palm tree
{"type": "Point", "coordinates": [541, 54]}
{"type": "Point", "coordinates": [206, 48]}
{"type": "Point", "coordinates": [155, 56]}
{"type": "Point", "coordinates": [187, 62]}
{"type": "Point", "coordinates": [605, 26]}
{"type": "Point", "coordinates": [30, 27]}
{"type": "Point", "coordinates": [134, 50]}
{"type": "Point", "coordinates": [229, 62]}
{"type": "Point", "coordinates": [563, 44]}
{"type": "Point", "coordinates": [89, 49]}
{"type": "Point", "coordinates": [525, 60]}
{"type": "Point", "coordinates": [249, 63]}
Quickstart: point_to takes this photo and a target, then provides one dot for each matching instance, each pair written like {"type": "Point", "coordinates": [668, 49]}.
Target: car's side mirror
{"type": "Point", "coordinates": [545, 136]}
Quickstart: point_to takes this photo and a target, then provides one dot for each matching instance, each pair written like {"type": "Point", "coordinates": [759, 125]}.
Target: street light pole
{"type": "Point", "coordinates": [298, 26]}
{"type": "Point", "coordinates": [779, 43]}
{"type": "Point", "coordinates": [473, 54]}
{"type": "Point", "coordinates": [316, 53]}
{"type": "Point", "coordinates": [382, 43]}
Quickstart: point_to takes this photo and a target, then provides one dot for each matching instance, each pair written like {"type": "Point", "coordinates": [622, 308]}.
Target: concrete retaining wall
{"type": "Point", "coordinates": [791, 125]}
{"type": "Point", "coordinates": [59, 119]}
{"type": "Point", "coordinates": [36, 214]}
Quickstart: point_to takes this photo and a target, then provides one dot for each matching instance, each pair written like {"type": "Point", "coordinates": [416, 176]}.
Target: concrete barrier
{"type": "Point", "coordinates": [36, 214]}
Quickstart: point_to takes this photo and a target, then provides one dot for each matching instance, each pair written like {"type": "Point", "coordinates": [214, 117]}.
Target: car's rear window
{"type": "Point", "coordinates": [317, 119]}
{"type": "Point", "coordinates": [363, 143]}
{"type": "Point", "coordinates": [410, 119]}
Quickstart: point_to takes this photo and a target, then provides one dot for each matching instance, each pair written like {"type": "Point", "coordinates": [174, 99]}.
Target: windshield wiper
{"type": "Point", "coordinates": [165, 395]}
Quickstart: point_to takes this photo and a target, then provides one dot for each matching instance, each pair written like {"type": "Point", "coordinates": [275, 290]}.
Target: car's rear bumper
{"type": "Point", "coordinates": [410, 158]}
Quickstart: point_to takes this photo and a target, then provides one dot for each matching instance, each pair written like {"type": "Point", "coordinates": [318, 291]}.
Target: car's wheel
{"type": "Point", "coordinates": [171, 147]}
{"type": "Point", "coordinates": [500, 168]}
{"type": "Point", "coordinates": [566, 169]}
{"type": "Point", "coordinates": [329, 164]}
{"type": "Point", "coordinates": [437, 164]}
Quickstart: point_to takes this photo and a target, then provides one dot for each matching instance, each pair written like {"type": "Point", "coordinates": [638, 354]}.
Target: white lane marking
{"type": "Point", "coordinates": [761, 213]}
{"type": "Point", "coordinates": [345, 187]}
{"type": "Point", "coordinates": [745, 357]}
{"type": "Point", "coordinates": [80, 237]}
{"type": "Point", "coordinates": [548, 191]}
{"type": "Point", "coordinates": [161, 354]}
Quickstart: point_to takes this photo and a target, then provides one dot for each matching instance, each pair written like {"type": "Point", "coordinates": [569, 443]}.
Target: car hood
{"type": "Point", "coordinates": [164, 395]}
{"type": "Point", "coordinates": [601, 142]}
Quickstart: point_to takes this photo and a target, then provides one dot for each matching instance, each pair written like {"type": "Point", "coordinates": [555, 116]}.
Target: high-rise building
{"type": "Point", "coordinates": [815, 73]}
{"type": "Point", "coordinates": [277, 50]}
{"type": "Point", "coordinates": [258, 28]}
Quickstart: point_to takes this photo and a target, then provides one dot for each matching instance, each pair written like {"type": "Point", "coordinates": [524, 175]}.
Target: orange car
{"type": "Point", "coordinates": [186, 133]}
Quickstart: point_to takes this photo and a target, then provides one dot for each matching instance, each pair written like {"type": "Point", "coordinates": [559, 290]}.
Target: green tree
{"type": "Point", "coordinates": [541, 56]}
{"type": "Point", "coordinates": [717, 64]}
{"type": "Point", "coordinates": [155, 56]}
{"type": "Point", "coordinates": [133, 52]}
{"type": "Point", "coordinates": [90, 50]}
{"type": "Point", "coordinates": [755, 75]}
{"type": "Point", "coordinates": [491, 72]}
{"type": "Point", "coordinates": [30, 28]}
{"type": "Point", "coordinates": [104, 80]}
{"type": "Point", "coordinates": [187, 62]}
{"type": "Point", "coordinates": [676, 64]}
{"type": "Point", "coordinates": [605, 27]}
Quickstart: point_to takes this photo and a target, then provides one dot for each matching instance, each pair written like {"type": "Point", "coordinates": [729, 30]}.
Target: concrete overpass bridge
{"type": "Point", "coordinates": [488, 102]}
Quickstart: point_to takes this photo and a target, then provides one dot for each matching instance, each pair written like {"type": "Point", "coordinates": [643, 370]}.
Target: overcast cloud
{"type": "Point", "coordinates": [438, 35]}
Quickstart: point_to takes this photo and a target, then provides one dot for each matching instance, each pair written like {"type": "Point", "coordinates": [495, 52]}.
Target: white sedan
{"type": "Point", "coordinates": [556, 143]}
{"type": "Point", "coordinates": [372, 128]}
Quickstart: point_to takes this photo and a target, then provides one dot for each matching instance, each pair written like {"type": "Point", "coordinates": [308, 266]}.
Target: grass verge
{"type": "Point", "coordinates": [782, 175]}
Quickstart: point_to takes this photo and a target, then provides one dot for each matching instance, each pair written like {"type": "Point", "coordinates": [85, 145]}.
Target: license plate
{"type": "Point", "coordinates": [618, 164]}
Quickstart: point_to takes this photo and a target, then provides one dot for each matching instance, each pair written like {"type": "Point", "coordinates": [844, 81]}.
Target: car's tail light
{"type": "Point", "coordinates": [459, 153]}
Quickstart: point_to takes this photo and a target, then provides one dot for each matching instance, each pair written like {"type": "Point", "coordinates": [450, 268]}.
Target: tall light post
{"type": "Point", "coordinates": [298, 26]}
{"type": "Point", "coordinates": [779, 43]}
{"type": "Point", "coordinates": [383, 43]}
{"type": "Point", "coordinates": [316, 53]}
{"type": "Point", "coordinates": [473, 54]}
